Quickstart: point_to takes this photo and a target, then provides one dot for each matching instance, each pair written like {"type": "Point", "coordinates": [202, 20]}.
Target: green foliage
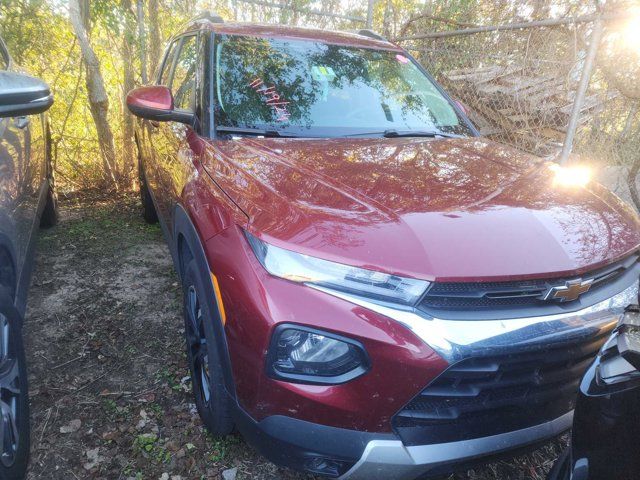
{"type": "Point", "coordinates": [148, 444]}
{"type": "Point", "coordinates": [41, 40]}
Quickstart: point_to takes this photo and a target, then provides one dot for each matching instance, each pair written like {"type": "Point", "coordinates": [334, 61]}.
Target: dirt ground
{"type": "Point", "coordinates": [110, 391]}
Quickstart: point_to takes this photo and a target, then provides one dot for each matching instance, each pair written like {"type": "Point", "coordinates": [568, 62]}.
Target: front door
{"type": "Point", "coordinates": [177, 143]}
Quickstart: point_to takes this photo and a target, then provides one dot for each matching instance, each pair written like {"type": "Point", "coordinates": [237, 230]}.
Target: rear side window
{"type": "Point", "coordinates": [183, 84]}
{"type": "Point", "coordinates": [168, 63]}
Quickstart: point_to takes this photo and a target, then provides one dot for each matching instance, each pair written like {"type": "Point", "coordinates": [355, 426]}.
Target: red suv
{"type": "Point", "coordinates": [371, 290]}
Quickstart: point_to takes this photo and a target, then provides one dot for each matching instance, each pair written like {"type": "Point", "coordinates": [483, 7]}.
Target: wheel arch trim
{"type": "Point", "coordinates": [184, 230]}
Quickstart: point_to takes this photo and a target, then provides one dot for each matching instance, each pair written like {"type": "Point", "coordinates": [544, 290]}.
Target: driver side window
{"type": "Point", "coordinates": [183, 83]}
{"type": "Point", "coordinates": [168, 64]}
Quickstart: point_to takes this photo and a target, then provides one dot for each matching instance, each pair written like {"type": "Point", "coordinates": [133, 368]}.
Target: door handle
{"type": "Point", "coordinates": [21, 122]}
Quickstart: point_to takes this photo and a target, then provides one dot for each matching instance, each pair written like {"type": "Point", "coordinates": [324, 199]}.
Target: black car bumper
{"type": "Point", "coordinates": [349, 454]}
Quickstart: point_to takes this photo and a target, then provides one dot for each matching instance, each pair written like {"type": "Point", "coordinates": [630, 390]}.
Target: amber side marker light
{"type": "Point", "coordinates": [216, 288]}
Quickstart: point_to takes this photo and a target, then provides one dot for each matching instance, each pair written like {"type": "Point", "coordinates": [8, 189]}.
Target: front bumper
{"type": "Point", "coordinates": [385, 459]}
{"type": "Point", "coordinates": [355, 455]}
{"type": "Point", "coordinates": [352, 454]}
{"type": "Point", "coordinates": [350, 427]}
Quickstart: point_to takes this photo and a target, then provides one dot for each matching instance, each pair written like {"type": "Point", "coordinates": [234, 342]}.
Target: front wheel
{"type": "Point", "coordinates": [204, 357]}
{"type": "Point", "coordinates": [14, 400]}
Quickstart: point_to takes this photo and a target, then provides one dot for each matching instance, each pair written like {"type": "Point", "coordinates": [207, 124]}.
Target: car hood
{"type": "Point", "coordinates": [437, 209]}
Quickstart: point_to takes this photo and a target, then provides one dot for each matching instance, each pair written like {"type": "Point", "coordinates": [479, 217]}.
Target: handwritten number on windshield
{"type": "Point", "coordinates": [272, 98]}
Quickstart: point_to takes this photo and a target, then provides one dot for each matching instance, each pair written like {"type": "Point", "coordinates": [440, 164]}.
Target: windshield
{"type": "Point", "coordinates": [311, 88]}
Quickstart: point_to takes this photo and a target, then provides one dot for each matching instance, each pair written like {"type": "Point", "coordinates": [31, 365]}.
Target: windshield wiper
{"type": "Point", "coordinates": [254, 131]}
{"type": "Point", "coordinates": [392, 133]}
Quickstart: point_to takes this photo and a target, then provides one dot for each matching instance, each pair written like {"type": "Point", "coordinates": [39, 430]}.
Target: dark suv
{"type": "Point", "coordinates": [371, 290]}
{"type": "Point", "coordinates": [27, 200]}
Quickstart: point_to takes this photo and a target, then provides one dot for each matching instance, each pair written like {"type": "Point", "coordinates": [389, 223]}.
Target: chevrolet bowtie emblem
{"type": "Point", "coordinates": [570, 291]}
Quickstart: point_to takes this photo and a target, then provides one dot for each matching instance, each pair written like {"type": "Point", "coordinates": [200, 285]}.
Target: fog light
{"type": "Point", "coordinates": [306, 355]}
{"type": "Point", "coordinates": [325, 466]}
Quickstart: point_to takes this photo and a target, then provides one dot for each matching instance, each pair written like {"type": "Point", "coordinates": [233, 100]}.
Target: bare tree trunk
{"type": "Point", "coordinates": [142, 36]}
{"type": "Point", "coordinates": [386, 23]}
{"type": "Point", "coordinates": [128, 83]}
{"type": "Point", "coordinates": [98, 100]}
{"type": "Point", "coordinates": [154, 37]}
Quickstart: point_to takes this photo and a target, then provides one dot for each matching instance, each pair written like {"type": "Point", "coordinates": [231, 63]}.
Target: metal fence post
{"type": "Point", "coordinates": [585, 78]}
{"type": "Point", "coordinates": [370, 14]}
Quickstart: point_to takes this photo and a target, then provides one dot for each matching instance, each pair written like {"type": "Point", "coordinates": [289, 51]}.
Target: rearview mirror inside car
{"type": "Point", "coordinates": [22, 95]}
{"type": "Point", "coordinates": [156, 103]}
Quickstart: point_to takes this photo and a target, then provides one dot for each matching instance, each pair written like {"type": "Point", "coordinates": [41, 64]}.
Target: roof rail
{"type": "Point", "coordinates": [365, 32]}
{"type": "Point", "coordinates": [210, 16]}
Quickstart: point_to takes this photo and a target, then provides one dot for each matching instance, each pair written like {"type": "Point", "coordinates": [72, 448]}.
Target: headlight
{"type": "Point", "coordinates": [337, 276]}
{"type": "Point", "coordinates": [308, 355]}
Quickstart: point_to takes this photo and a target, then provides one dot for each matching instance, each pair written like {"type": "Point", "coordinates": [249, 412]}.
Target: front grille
{"type": "Point", "coordinates": [477, 296]}
{"type": "Point", "coordinates": [488, 395]}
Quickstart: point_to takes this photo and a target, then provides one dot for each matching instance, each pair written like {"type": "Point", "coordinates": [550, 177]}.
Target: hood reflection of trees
{"type": "Point", "coordinates": [352, 185]}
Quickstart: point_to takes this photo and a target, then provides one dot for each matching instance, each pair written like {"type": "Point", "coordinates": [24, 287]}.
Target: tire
{"type": "Point", "coordinates": [14, 395]}
{"type": "Point", "coordinates": [49, 216]}
{"type": "Point", "coordinates": [148, 209]}
{"type": "Point", "coordinates": [204, 357]}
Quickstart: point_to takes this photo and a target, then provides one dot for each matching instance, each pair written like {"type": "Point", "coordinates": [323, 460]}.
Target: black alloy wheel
{"type": "Point", "coordinates": [14, 402]}
{"type": "Point", "coordinates": [197, 351]}
{"type": "Point", "coordinates": [9, 396]}
{"type": "Point", "coordinates": [205, 365]}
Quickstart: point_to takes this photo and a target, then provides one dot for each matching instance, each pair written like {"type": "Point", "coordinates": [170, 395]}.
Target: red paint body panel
{"type": "Point", "coordinates": [454, 209]}
{"type": "Point", "coordinates": [256, 302]}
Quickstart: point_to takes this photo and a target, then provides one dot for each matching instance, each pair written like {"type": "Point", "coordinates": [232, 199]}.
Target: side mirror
{"type": "Point", "coordinates": [22, 95]}
{"type": "Point", "coordinates": [156, 103]}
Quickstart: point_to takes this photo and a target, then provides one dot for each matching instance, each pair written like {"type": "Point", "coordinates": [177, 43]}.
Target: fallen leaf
{"type": "Point", "coordinates": [230, 474]}
{"type": "Point", "coordinates": [73, 426]}
{"type": "Point", "coordinates": [94, 458]}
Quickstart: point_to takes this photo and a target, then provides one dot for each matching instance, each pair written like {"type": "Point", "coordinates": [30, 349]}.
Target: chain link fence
{"type": "Point", "coordinates": [520, 84]}
{"type": "Point", "coordinates": [519, 80]}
